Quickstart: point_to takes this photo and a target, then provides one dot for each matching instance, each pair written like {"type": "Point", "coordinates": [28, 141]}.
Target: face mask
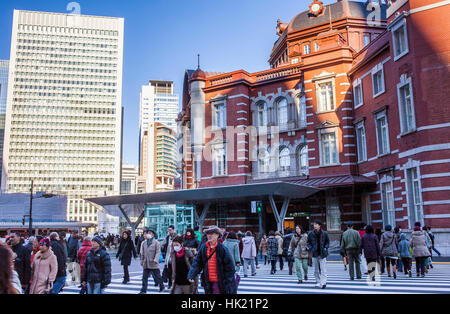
{"type": "Point", "coordinates": [177, 248]}
{"type": "Point", "coordinates": [149, 236]}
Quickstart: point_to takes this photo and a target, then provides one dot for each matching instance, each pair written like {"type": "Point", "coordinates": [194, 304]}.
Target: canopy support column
{"type": "Point", "coordinates": [138, 221]}
{"type": "Point", "coordinates": [280, 216]}
{"type": "Point", "coordinates": [201, 219]}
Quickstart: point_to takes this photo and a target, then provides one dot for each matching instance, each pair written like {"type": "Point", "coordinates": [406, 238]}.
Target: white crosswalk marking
{"type": "Point", "coordinates": [436, 281]}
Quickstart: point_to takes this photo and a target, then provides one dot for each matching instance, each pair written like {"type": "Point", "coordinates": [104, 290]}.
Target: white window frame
{"type": "Point", "coordinates": [361, 142]}
{"type": "Point", "coordinates": [387, 210]}
{"type": "Point", "coordinates": [288, 158]}
{"type": "Point", "coordinates": [214, 110]}
{"type": "Point", "coordinates": [320, 106]}
{"type": "Point", "coordinates": [215, 148]}
{"type": "Point", "coordinates": [266, 168]}
{"type": "Point", "coordinates": [303, 150]}
{"type": "Point", "coordinates": [378, 116]}
{"type": "Point", "coordinates": [316, 46]}
{"type": "Point", "coordinates": [406, 82]}
{"type": "Point", "coordinates": [356, 84]}
{"type": "Point", "coordinates": [261, 108]}
{"type": "Point", "coordinates": [307, 49]}
{"type": "Point", "coordinates": [277, 107]}
{"type": "Point", "coordinates": [400, 24]}
{"type": "Point", "coordinates": [378, 68]}
{"type": "Point", "coordinates": [413, 215]}
{"type": "Point", "coordinates": [321, 147]}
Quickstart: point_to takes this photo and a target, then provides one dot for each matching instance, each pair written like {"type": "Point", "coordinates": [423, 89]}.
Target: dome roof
{"type": "Point", "coordinates": [198, 75]}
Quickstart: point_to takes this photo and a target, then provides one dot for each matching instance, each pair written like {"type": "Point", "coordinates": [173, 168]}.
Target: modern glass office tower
{"type": "Point", "coordinates": [64, 107]}
{"type": "Point", "coordinates": [4, 72]}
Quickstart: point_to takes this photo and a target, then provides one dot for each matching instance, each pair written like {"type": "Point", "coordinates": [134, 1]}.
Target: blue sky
{"type": "Point", "coordinates": [163, 38]}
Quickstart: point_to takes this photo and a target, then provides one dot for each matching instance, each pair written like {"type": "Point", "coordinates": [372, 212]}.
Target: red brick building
{"type": "Point", "coordinates": [355, 103]}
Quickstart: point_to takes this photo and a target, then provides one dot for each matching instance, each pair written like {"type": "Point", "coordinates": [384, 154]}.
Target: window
{"type": "Point", "coordinates": [282, 107]}
{"type": "Point", "coordinates": [263, 161]}
{"type": "Point", "coordinates": [400, 40]}
{"type": "Point", "coordinates": [326, 96]}
{"type": "Point", "coordinates": [262, 114]}
{"type": "Point", "coordinates": [294, 61]}
{"type": "Point", "coordinates": [219, 160]}
{"type": "Point", "coordinates": [328, 148]}
{"type": "Point", "coordinates": [333, 214]}
{"type": "Point", "coordinates": [382, 133]}
{"type": "Point", "coordinates": [361, 142]}
{"type": "Point", "coordinates": [285, 159]}
{"type": "Point", "coordinates": [365, 209]}
{"type": "Point", "coordinates": [406, 105]}
{"type": "Point", "coordinates": [302, 159]}
{"type": "Point", "coordinates": [387, 199]}
{"type": "Point", "coordinates": [307, 49]}
{"type": "Point", "coordinates": [302, 103]}
{"type": "Point", "coordinates": [316, 46]}
{"type": "Point", "coordinates": [219, 116]}
{"type": "Point", "coordinates": [413, 188]}
{"type": "Point", "coordinates": [358, 93]}
{"type": "Point", "coordinates": [366, 40]}
{"type": "Point", "coordinates": [378, 80]}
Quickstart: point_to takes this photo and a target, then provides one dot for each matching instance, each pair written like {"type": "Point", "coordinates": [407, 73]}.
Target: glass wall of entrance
{"type": "Point", "coordinates": [160, 217]}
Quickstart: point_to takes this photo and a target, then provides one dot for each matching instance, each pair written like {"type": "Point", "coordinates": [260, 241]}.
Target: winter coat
{"type": "Point", "coordinates": [126, 251]}
{"type": "Point", "coordinates": [233, 247]}
{"type": "Point", "coordinates": [226, 269]}
{"type": "Point", "coordinates": [73, 245]}
{"type": "Point", "coordinates": [191, 243]}
{"type": "Point", "coordinates": [59, 253]}
{"type": "Point", "coordinates": [299, 244]}
{"type": "Point", "coordinates": [150, 254]}
{"type": "Point", "coordinates": [249, 251]}
{"type": "Point", "coordinates": [404, 247]}
{"type": "Point", "coordinates": [389, 244]}
{"type": "Point", "coordinates": [272, 248]}
{"type": "Point", "coordinates": [280, 244]}
{"type": "Point", "coordinates": [22, 264]}
{"type": "Point", "coordinates": [189, 259]}
{"type": "Point", "coordinates": [419, 244]}
{"type": "Point", "coordinates": [286, 244]}
{"type": "Point", "coordinates": [84, 250]}
{"type": "Point", "coordinates": [44, 270]}
{"type": "Point", "coordinates": [97, 268]}
{"type": "Point", "coordinates": [370, 246]}
{"type": "Point", "coordinates": [350, 239]}
{"type": "Point", "coordinates": [324, 244]}
{"type": "Point", "coordinates": [263, 246]}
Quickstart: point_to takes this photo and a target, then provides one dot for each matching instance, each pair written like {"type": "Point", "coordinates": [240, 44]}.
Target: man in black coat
{"type": "Point", "coordinates": [97, 268]}
{"type": "Point", "coordinates": [58, 250]}
{"type": "Point", "coordinates": [22, 262]}
{"type": "Point", "coordinates": [73, 244]}
{"type": "Point", "coordinates": [318, 244]}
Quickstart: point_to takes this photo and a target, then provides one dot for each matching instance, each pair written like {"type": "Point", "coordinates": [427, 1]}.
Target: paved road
{"type": "Point", "coordinates": [437, 281]}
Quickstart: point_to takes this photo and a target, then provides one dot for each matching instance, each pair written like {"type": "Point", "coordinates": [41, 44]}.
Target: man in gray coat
{"type": "Point", "coordinates": [150, 253]}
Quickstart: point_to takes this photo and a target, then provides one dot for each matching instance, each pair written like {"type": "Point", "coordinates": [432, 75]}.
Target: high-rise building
{"type": "Point", "coordinates": [64, 108]}
{"type": "Point", "coordinates": [158, 158]}
{"type": "Point", "coordinates": [4, 71]}
{"type": "Point", "coordinates": [129, 181]}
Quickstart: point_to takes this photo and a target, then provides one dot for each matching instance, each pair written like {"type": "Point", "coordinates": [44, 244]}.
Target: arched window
{"type": "Point", "coordinates": [263, 161]}
{"type": "Point", "coordinates": [262, 114]}
{"type": "Point", "coordinates": [302, 111]}
{"type": "Point", "coordinates": [282, 110]}
{"type": "Point", "coordinates": [285, 159]}
{"type": "Point", "coordinates": [302, 159]}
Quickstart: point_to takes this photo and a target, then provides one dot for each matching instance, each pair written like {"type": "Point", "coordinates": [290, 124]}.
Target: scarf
{"type": "Point", "coordinates": [180, 254]}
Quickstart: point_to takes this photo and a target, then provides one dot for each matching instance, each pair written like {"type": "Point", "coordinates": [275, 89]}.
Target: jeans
{"type": "Point", "coordinates": [58, 284]}
{"type": "Point", "coordinates": [156, 275]}
{"type": "Point", "coordinates": [320, 270]}
{"type": "Point", "coordinates": [302, 268]}
{"type": "Point", "coordinates": [290, 262]}
{"type": "Point", "coordinates": [252, 264]}
{"type": "Point", "coordinates": [273, 263]}
{"type": "Point", "coordinates": [400, 265]}
{"type": "Point", "coordinates": [95, 288]}
{"type": "Point", "coordinates": [353, 259]}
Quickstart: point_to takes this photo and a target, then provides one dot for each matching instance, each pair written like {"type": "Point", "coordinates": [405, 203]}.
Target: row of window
{"type": "Point", "coordinates": [66, 30]}
{"type": "Point", "coordinates": [46, 56]}
{"type": "Point", "coordinates": [48, 82]}
{"type": "Point", "coordinates": [87, 52]}
{"type": "Point", "coordinates": [65, 43]}
{"type": "Point", "coordinates": [55, 75]}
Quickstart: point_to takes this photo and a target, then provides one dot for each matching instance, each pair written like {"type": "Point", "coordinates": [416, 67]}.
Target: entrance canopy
{"type": "Point", "coordinates": [134, 205]}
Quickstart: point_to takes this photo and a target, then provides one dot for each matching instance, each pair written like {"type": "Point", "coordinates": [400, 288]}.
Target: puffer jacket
{"type": "Point", "coordinates": [97, 268]}
{"type": "Point", "coordinates": [404, 247]}
{"type": "Point", "coordinates": [299, 244]}
{"type": "Point", "coordinates": [419, 244]}
{"type": "Point", "coordinates": [389, 244]}
{"type": "Point", "coordinates": [272, 248]}
{"type": "Point", "coordinates": [249, 251]}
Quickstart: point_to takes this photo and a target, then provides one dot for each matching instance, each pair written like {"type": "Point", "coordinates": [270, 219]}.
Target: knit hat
{"type": "Point", "coordinates": [214, 229]}
{"type": "Point", "coordinates": [45, 241]}
{"type": "Point", "coordinates": [98, 240]}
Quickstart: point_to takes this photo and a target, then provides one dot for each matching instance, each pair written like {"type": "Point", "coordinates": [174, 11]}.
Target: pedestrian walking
{"type": "Point", "coordinates": [215, 264]}
{"type": "Point", "coordinates": [44, 269]}
{"type": "Point", "coordinates": [362, 232]}
{"type": "Point", "coordinates": [351, 241]}
{"type": "Point", "coordinates": [58, 250]}
{"type": "Point", "coordinates": [272, 251]}
{"type": "Point", "coordinates": [232, 244]}
{"type": "Point", "coordinates": [249, 253]}
{"type": "Point", "coordinates": [263, 248]}
{"type": "Point", "coordinates": [342, 251]}
{"type": "Point", "coordinates": [280, 249]}
{"type": "Point", "coordinates": [84, 250]}
{"type": "Point", "coordinates": [182, 260]}
{"type": "Point", "coordinates": [389, 250]}
{"type": "Point", "coordinates": [371, 248]}
{"type": "Point", "coordinates": [379, 233]}
{"type": "Point", "coordinates": [7, 280]}
{"type": "Point", "coordinates": [191, 241]}
{"type": "Point", "coordinates": [286, 243]}
{"type": "Point", "coordinates": [420, 250]}
{"type": "Point", "coordinates": [428, 262]}
{"type": "Point", "coordinates": [404, 249]}
{"type": "Point", "coordinates": [73, 245]}
{"type": "Point", "coordinates": [150, 253]}
{"type": "Point", "coordinates": [36, 248]}
{"type": "Point", "coordinates": [433, 239]}
{"type": "Point", "coordinates": [125, 253]}
{"type": "Point", "coordinates": [167, 249]}
{"type": "Point", "coordinates": [22, 263]}
{"type": "Point", "coordinates": [97, 268]}
{"type": "Point", "coordinates": [299, 248]}
{"type": "Point", "coordinates": [318, 244]}
{"type": "Point", "coordinates": [63, 242]}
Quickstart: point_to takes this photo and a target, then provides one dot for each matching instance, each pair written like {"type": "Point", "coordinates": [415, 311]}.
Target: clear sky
{"type": "Point", "coordinates": [163, 38]}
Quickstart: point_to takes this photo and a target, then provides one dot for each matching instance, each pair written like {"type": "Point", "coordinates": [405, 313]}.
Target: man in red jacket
{"type": "Point", "coordinates": [84, 250]}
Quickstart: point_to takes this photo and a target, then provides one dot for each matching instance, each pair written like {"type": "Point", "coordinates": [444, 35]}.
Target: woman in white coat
{"type": "Point", "coordinates": [249, 253]}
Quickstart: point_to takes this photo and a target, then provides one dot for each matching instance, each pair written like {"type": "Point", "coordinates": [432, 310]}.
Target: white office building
{"type": "Point", "coordinates": [63, 122]}
{"type": "Point", "coordinates": [4, 72]}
